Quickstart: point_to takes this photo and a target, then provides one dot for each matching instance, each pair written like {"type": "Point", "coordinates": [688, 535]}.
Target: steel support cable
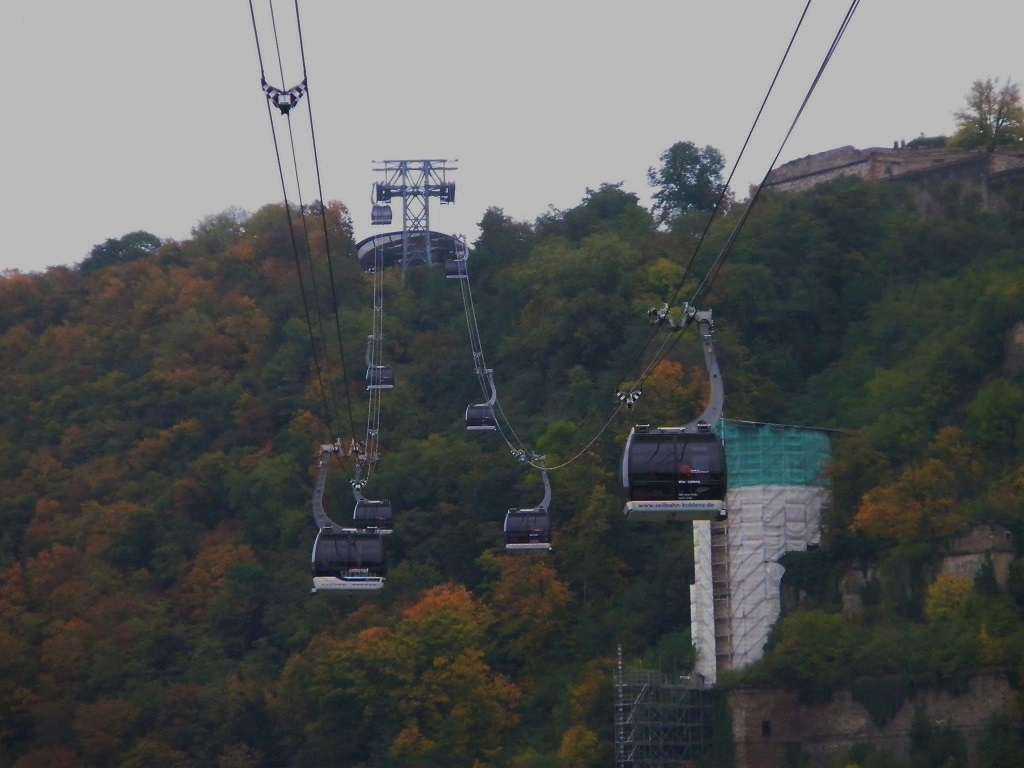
{"type": "Point", "coordinates": [327, 242]}
{"type": "Point", "coordinates": [717, 206]}
{"type": "Point", "coordinates": [256, 35]}
{"type": "Point", "coordinates": [374, 354]}
{"type": "Point", "coordinates": [277, 43]}
{"type": "Point", "coordinates": [378, 354]}
{"type": "Point", "coordinates": [705, 286]}
{"type": "Point", "coordinates": [507, 432]}
{"type": "Point", "coordinates": [480, 366]}
{"type": "Point", "coordinates": [302, 204]}
{"type": "Point", "coordinates": [712, 274]}
{"type": "Point", "coordinates": [328, 411]}
{"type": "Point", "coordinates": [475, 341]}
{"type": "Point", "coordinates": [310, 265]}
{"type": "Point", "coordinates": [739, 157]}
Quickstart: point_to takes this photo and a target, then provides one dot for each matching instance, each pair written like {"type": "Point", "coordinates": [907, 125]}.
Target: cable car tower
{"type": "Point", "coordinates": [414, 182]}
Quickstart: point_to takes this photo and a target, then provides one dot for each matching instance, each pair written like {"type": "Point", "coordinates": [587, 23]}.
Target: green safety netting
{"type": "Point", "coordinates": [774, 454]}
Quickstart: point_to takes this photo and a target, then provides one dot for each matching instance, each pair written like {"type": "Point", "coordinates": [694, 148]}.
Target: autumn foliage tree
{"type": "Point", "coordinates": [161, 415]}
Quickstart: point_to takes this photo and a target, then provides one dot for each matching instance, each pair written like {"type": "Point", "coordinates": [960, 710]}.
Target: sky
{"type": "Point", "coordinates": [126, 115]}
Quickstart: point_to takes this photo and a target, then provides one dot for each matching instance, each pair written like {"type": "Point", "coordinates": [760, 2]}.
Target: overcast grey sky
{"type": "Point", "coordinates": [124, 115]}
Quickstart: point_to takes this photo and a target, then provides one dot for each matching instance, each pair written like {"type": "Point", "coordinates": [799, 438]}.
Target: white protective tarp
{"type": "Point", "coordinates": [765, 522]}
{"type": "Point", "coordinates": [702, 607]}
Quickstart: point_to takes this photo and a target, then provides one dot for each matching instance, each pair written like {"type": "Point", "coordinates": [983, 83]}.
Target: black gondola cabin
{"type": "Point", "coordinates": [480, 417]}
{"type": "Point", "coordinates": [528, 529]}
{"type": "Point", "coordinates": [380, 377]}
{"type": "Point", "coordinates": [455, 269]}
{"type": "Point", "coordinates": [380, 215]}
{"type": "Point", "coordinates": [374, 515]}
{"type": "Point", "coordinates": [674, 473]}
{"type": "Point", "coordinates": [348, 560]}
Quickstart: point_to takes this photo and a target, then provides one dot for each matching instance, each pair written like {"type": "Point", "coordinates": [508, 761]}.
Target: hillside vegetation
{"type": "Point", "coordinates": [159, 432]}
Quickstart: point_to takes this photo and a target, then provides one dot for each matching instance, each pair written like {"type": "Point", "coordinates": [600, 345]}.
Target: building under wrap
{"type": "Point", "coordinates": [776, 492]}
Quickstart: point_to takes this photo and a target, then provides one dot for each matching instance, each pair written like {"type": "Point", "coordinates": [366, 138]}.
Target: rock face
{"type": "Point", "coordinates": [1013, 359]}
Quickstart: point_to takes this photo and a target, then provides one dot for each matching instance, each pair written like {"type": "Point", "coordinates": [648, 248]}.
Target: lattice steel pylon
{"type": "Point", "coordinates": [661, 720]}
{"type": "Point", "coordinates": [415, 182]}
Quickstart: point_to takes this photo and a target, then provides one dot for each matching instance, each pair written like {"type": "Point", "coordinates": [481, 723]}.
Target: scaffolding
{"type": "Point", "coordinates": [776, 492]}
{"type": "Point", "coordinates": [661, 720]}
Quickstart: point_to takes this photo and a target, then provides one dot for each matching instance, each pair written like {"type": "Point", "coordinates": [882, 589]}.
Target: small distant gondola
{"type": "Point", "coordinates": [480, 416]}
{"type": "Point", "coordinates": [377, 376]}
{"type": "Point", "coordinates": [348, 560]}
{"type": "Point", "coordinates": [380, 377]}
{"type": "Point", "coordinates": [530, 529]}
{"type": "Point", "coordinates": [679, 473]}
{"type": "Point", "coordinates": [373, 515]}
{"type": "Point", "coordinates": [456, 269]}
{"type": "Point", "coordinates": [380, 215]}
{"type": "Point", "coordinates": [527, 529]}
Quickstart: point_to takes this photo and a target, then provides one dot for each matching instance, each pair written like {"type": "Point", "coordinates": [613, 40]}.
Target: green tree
{"type": "Point", "coordinates": [606, 209]}
{"type": "Point", "coordinates": [999, 744]}
{"type": "Point", "coordinates": [689, 179]}
{"type": "Point", "coordinates": [813, 651]}
{"type": "Point", "coordinates": [120, 250]}
{"type": "Point", "coordinates": [992, 117]}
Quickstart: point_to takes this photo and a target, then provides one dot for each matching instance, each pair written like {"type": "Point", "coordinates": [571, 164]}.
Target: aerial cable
{"type": "Point", "coordinates": [302, 206]}
{"type": "Point", "coordinates": [660, 317]}
{"type": "Point", "coordinates": [374, 353]}
{"type": "Point", "coordinates": [705, 286]}
{"type": "Point", "coordinates": [323, 217]}
{"type": "Point", "coordinates": [319, 368]}
{"type": "Point", "coordinates": [309, 260]}
{"type": "Point", "coordinates": [328, 411]}
{"type": "Point", "coordinates": [327, 242]}
{"type": "Point", "coordinates": [739, 157]}
{"type": "Point", "coordinates": [256, 35]}
{"type": "Point", "coordinates": [484, 376]}
{"type": "Point", "coordinates": [714, 211]}
{"type": "Point", "coordinates": [277, 41]}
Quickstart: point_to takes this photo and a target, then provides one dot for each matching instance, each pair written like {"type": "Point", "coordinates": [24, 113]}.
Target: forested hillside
{"type": "Point", "coordinates": [162, 415]}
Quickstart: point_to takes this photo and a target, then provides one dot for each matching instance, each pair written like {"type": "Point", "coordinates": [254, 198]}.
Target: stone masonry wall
{"type": "Point", "coordinates": [771, 727]}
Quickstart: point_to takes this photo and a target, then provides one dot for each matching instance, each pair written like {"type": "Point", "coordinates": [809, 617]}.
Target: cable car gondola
{"type": "Point", "coordinates": [344, 559]}
{"type": "Point", "coordinates": [380, 209]}
{"type": "Point", "coordinates": [348, 560]}
{"type": "Point", "coordinates": [377, 376]}
{"type": "Point", "coordinates": [456, 269]}
{"type": "Point", "coordinates": [380, 377]}
{"type": "Point", "coordinates": [679, 473]}
{"type": "Point", "coordinates": [380, 215]}
{"type": "Point", "coordinates": [527, 529]}
{"type": "Point", "coordinates": [371, 514]}
{"type": "Point", "coordinates": [674, 474]}
{"type": "Point", "coordinates": [480, 416]}
{"type": "Point", "coordinates": [530, 529]}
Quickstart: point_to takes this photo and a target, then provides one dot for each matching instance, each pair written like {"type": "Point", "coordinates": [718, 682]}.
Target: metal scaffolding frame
{"type": "Point", "coordinates": [661, 720]}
